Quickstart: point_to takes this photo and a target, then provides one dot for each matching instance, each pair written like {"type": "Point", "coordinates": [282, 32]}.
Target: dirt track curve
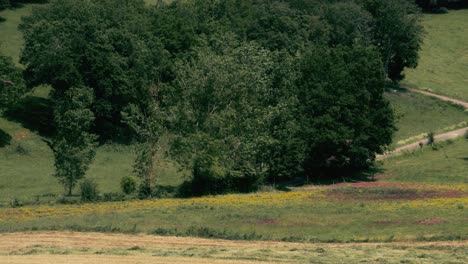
{"type": "Point", "coordinates": [441, 97]}
{"type": "Point", "coordinates": [448, 135]}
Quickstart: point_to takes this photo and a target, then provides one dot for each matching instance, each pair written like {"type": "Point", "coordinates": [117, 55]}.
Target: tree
{"type": "Point", "coordinates": [350, 24]}
{"type": "Point", "coordinates": [146, 121]}
{"type": "Point", "coordinates": [397, 35]}
{"type": "Point", "coordinates": [344, 117]}
{"type": "Point", "coordinates": [218, 108]}
{"type": "Point", "coordinates": [73, 144]}
{"type": "Point", "coordinates": [12, 86]}
{"type": "Point", "coordinates": [105, 45]}
{"type": "Point", "coordinates": [4, 4]}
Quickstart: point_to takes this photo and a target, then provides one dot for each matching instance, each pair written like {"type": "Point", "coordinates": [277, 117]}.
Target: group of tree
{"type": "Point", "coordinates": [12, 86]}
{"type": "Point", "coordinates": [438, 6]}
{"type": "Point", "coordinates": [248, 91]}
{"type": "Point", "coordinates": [4, 4]}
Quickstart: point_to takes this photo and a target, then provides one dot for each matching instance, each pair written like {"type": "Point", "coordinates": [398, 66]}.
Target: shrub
{"type": "Point", "coordinates": [112, 197]}
{"type": "Point", "coordinates": [89, 190]}
{"type": "Point", "coordinates": [68, 200]}
{"type": "Point", "coordinates": [466, 135]}
{"type": "Point", "coordinates": [430, 138]}
{"type": "Point", "coordinates": [128, 185]}
{"type": "Point", "coordinates": [144, 191]}
{"type": "Point", "coordinates": [440, 10]}
{"type": "Point", "coordinates": [15, 203]}
{"type": "Point", "coordinates": [21, 150]}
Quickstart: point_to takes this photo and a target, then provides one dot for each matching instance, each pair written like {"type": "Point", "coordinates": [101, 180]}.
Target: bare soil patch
{"type": "Point", "coordinates": [431, 221]}
{"type": "Point", "coordinates": [384, 191]}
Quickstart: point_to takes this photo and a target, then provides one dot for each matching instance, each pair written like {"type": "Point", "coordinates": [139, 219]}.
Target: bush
{"type": "Point", "coordinates": [113, 197]}
{"type": "Point", "coordinates": [128, 185]}
{"type": "Point", "coordinates": [440, 10]}
{"type": "Point", "coordinates": [89, 190]}
{"type": "Point", "coordinates": [21, 150]}
{"type": "Point", "coordinates": [15, 203]}
{"type": "Point", "coordinates": [430, 138]}
{"type": "Point", "coordinates": [144, 191]}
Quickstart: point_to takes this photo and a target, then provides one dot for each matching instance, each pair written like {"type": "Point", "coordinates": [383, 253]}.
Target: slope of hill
{"type": "Point", "coordinates": [443, 62]}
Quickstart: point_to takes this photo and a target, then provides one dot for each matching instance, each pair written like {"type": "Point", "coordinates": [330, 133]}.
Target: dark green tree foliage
{"type": "Point", "coordinates": [102, 44]}
{"type": "Point", "coordinates": [146, 122]}
{"type": "Point", "coordinates": [397, 35]}
{"type": "Point", "coordinates": [4, 4]}
{"type": "Point", "coordinates": [73, 145]}
{"type": "Point", "coordinates": [250, 90]}
{"type": "Point", "coordinates": [345, 117]}
{"type": "Point", "coordinates": [350, 24]}
{"type": "Point", "coordinates": [434, 5]}
{"type": "Point", "coordinates": [89, 190]}
{"type": "Point", "coordinates": [219, 99]}
{"type": "Point", "coordinates": [12, 86]}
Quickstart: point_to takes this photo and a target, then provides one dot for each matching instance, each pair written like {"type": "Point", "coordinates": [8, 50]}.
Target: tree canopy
{"type": "Point", "coordinates": [12, 86]}
{"type": "Point", "coordinates": [248, 91]}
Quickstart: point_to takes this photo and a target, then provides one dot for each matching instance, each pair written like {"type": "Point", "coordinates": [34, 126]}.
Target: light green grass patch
{"type": "Point", "coordinates": [11, 39]}
{"type": "Point", "coordinates": [443, 65]}
{"type": "Point", "coordinates": [419, 115]}
{"type": "Point", "coordinates": [448, 164]}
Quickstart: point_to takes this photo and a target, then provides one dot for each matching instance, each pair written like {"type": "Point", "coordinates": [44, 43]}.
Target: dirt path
{"type": "Point", "coordinates": [441, 97]}
{"type": "Point", "coordinates": [449, 135]}
{"type": "Point", "coordinates": [97, 248]}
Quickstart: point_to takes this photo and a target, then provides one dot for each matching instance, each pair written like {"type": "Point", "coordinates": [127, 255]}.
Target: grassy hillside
{"type": "Point", "coordinates": [447, 165]}
{"type": "Point", "coordinates": [385, 210]}
{"type": "Point", "coordinates": [11, 39]}
{"type": "Point", "coordinates": [419, 114]}
{"type": "Point", "coordinates": [27, 162]}
{"type": "Point", "coordinates": [443, 65]}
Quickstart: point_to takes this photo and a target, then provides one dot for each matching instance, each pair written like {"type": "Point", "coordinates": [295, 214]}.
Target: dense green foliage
{"type": "Point", "coordinates": [248, 90]}
{"type": "Point", "coordinates": [346, 118]}
{"type": "Point", "coordinates": [128, 185]}
{"type": "Point", "coordinates": [73, 144]}
{"type": "Point", "coordinates": [104, 45]}
{"type": "Point", "coordinates": [4, 4]}
{"type": "Point", "coordinates": [436, 5]}
{"type": "Point", "coordinates": [12, 85]}
{"type": "Point", "coordinates": [89, 190]}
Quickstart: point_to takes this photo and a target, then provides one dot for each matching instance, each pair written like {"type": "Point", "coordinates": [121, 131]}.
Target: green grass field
{"type": "Point", "coordinates": [443, 64]}
{"type": "Point", "coordinates": [410, 201]}
{"type": "Point", "coordinates": [419, 114]}
{"type": "Point", "coordinates": [447, 165]}
{"type": "Point", "coordinates": [11, 39]}
{"type": "Point", "coordinates": [413, 197]}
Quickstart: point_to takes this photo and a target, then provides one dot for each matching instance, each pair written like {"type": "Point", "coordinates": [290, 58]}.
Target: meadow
{"type": "Point", "coordinates": [27, 158]}
{"type": "Point", "coordinates": [418, 115]}
{"type": "Point", "coordinates": [384, 208]}
{"type": "Point", "coordinates": [444, 56]}
{"type": "Point", "coordinates": [410, 208]}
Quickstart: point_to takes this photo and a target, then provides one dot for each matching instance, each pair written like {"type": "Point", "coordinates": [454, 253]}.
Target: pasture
{"type": "Point", "coordinates": [418, 115]}
{"type": "Point", "coordinates": [391, 205]}
{"type": "Point", "coordinates": [444, 56]}
{"type": "Point", "coordinates": [410, 208]}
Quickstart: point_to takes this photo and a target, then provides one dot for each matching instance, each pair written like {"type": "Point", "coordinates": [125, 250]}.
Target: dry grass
{"type": "Point", "coordinates": [67, 247]}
